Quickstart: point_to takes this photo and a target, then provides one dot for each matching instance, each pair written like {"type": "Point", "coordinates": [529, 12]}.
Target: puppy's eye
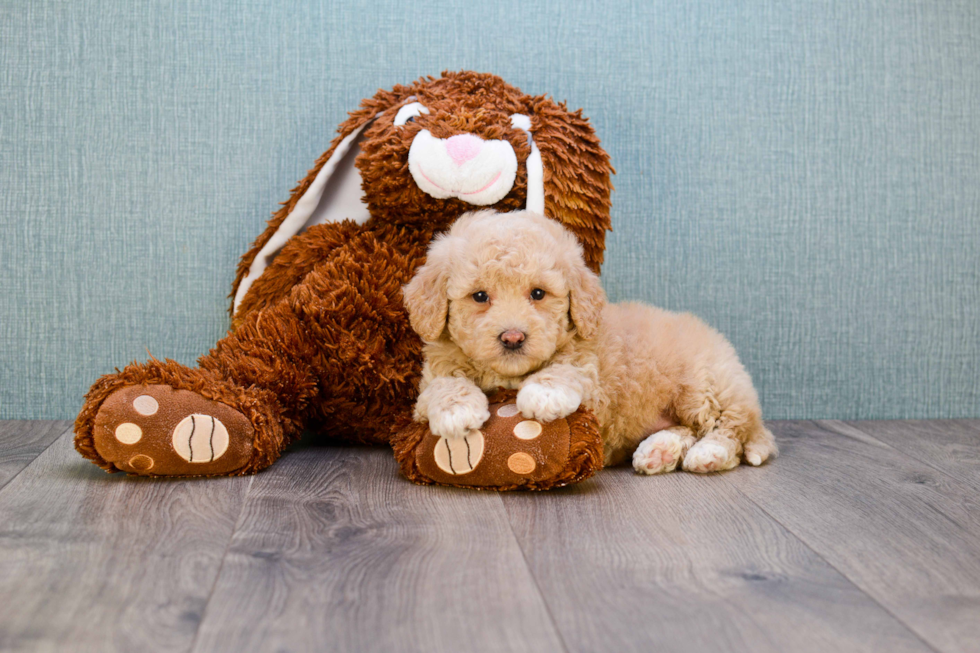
{"type": "Point", "coordinates": [537, 294]}
{"type": "Point", "coordinates": [481, 297]}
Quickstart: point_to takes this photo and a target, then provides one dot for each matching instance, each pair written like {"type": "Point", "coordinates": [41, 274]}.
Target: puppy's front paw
{"type": "Point", "coordinates": [546, 403]}
{"type": "Point", "coordinates": [458, 418]}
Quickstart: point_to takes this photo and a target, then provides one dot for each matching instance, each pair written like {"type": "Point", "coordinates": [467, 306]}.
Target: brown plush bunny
{"type": "Point", "coordinates": [320, 339]}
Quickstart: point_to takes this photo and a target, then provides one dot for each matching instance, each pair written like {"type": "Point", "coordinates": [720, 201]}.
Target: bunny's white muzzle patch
{"type": "Point", "coordinates": [465, 166]}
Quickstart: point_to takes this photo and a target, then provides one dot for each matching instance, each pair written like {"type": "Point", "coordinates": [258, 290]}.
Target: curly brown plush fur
{"type": "Point", "coordinates": [321, 339]}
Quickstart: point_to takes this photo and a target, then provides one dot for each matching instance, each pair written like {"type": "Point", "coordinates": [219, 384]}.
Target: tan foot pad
{"type": "Point", "coordinates": [509, 452]}
{"type": "Point", "coordinates": [154, 430]}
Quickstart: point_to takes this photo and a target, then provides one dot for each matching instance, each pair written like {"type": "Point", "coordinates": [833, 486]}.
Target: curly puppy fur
{"type": "Point", "coordinates": [665, 387]}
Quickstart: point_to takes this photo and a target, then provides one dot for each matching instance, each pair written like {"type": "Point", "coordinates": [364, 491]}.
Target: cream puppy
{"type": "Point", "coordinates": [507, 300]}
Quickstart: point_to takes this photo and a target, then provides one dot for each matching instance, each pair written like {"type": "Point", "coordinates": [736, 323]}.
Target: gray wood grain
{"type": "Point", "coordinates": [951, 446]}
{"type": "Point", "coordinates": [859, 537]}
{"type": "Point", "coordinates": [97, 562]}
{"type": "Point", "coordinates": [905, 533]}
{"type": "Point", "coordinates": [685, 563]}
{"type": "Point", "coordinates": [337, 552]}
{"type": "Point", "coordinates": [21, 441]}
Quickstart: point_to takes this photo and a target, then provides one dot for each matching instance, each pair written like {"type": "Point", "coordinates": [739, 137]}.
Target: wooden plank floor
{"type": "Point", "coordinates": [862, 536]}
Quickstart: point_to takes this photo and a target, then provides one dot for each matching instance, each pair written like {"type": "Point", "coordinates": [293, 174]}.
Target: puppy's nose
{"type": "Point", "coordinates": [512, 339]}
{"type": "Point", "coordinates": [463, 147]}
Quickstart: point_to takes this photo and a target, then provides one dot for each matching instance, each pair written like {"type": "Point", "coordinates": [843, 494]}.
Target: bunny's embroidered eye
{"type": "Point", "coordinates": [537, 294]}
{"type": "Point", "coordinates": [409, 112]}
{"type": "Point", "coordinates": [481, 297]}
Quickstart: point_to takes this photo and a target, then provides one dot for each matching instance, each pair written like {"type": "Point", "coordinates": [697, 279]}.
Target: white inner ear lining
{"type": "Point", "coordinates": [298, 217]}
{"type": "Point", "coordinates": [535, 167]}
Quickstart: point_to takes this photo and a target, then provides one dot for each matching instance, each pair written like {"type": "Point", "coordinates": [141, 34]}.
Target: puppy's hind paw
{"type": "Point", "coordinates": [710, 456]}
{"type": "Point", "coordinates": [661, 452]}
{"type": "Point", "coordinates": [547, 403]}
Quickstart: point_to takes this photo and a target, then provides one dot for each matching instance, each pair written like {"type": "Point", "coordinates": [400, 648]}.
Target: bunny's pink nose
{"type": "Point", "coordinates": [463, 147]}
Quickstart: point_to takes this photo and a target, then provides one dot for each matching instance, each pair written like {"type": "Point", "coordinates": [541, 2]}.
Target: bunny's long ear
{"type": "Point", "coordinates": [575, 174]}
{"type": "Point", "coordinates": [331, 192]}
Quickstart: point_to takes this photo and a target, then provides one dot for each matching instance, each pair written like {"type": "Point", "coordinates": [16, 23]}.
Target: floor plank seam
{"type": "Point", "coordinates": [39, 454]}
{"type": "Point", "coordinates": [534, 579]}
{"type": "Point", "coordinates": [944, 472]}
{"type": "Point", "coordinates": [221, 565]}
{"type": "Point", "coordinates": [851, 581]}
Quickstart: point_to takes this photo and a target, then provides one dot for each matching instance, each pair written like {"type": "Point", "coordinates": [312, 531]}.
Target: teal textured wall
{"type": "Point", "coordinates": [804, 175]}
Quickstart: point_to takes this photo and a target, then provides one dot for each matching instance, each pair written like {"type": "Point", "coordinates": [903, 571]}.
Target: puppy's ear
{"type": "Point", "coordinates": [587, 299]}
{"type": "Point", "coordinates": [425, 295]}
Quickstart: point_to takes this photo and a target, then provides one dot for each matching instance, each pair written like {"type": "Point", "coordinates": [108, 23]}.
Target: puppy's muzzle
{"type": "Point", "coordinates": [512, 339]}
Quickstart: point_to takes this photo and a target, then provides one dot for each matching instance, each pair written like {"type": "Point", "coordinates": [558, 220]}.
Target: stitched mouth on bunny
{"type": "Point", "coordinates": [465, 166]}
{"type": "Point", "coordinates": [458, 191]}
